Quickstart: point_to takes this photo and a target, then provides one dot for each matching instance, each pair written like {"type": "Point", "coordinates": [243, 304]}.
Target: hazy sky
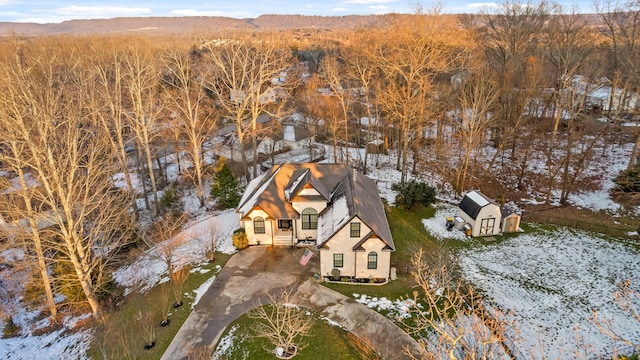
{"type": "Point", "coordinates": [54, 11]}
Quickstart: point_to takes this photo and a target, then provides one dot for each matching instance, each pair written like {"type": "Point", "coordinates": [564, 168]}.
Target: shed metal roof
{"type": "Point", "coordinates": [473, 202]}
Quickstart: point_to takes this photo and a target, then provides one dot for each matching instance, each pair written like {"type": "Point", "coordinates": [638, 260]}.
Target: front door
{"type": "Point", "coordinates": [486, 226]}
{"type": "Point", "coordinates": [285, 225]}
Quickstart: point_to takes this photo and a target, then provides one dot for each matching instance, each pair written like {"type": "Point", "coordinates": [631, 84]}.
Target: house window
{"type": "Point", "coordinates": [338, 260]}
{"type": "Point", "coordinates": [355, 229]}
{"type": "Point", "coordinates": [372, 260]}
{"type": "Point", "coordinates": [258, 225]}
{"type": "Point", "coordinates": [284, 224]}
{"type": "Point", "coordinates": [309, 219]}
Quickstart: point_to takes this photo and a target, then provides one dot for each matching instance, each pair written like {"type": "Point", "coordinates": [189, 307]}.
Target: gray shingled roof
{"type": "Point", "coordinates": [271, 192]}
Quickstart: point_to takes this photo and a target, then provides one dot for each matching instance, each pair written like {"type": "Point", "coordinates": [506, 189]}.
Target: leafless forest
{"type": "Point", "coordinates": [464, 101]}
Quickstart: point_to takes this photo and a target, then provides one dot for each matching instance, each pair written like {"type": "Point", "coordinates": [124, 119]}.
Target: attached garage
{"type": "Point", "coordinates": [481, 213]}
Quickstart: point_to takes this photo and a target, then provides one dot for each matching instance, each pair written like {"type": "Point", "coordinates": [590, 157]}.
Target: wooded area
{"type": "Point", "coordinates": [441, 94]}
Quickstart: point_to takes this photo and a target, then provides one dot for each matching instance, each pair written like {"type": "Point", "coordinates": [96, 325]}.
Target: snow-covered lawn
{"type": "Point", "coordinates": [149, 270]}
{"type": "Point", "coordinates": [551, 281]}
{"type": "Point", "coordinates": [64, 343]}
{"type": "Point", "coordinates": [436, 225]}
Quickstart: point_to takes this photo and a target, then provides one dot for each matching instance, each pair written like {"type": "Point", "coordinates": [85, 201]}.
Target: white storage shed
{"type": "Point", "coordinates": [481, 213]}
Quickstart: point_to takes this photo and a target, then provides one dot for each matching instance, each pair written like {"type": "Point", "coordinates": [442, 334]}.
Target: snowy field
{"type": "Point", "coordinates": [551, 282]}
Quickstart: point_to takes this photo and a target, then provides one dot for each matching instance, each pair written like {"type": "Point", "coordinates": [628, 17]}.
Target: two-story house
{"type": "Point", "coordinates": [332, 206]}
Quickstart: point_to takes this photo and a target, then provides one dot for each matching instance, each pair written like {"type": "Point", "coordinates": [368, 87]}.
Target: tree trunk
{"type": "Point", "coordinates": [143, 176]}
{"type": "Point", "coordinates": [198, 164]}
{"type": "Point", "coordinates": [152, 177]}
{"type": "Point", "coordinates": [633, 159]}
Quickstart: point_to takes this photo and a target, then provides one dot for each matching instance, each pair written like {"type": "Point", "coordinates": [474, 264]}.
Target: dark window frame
{"type": "Point", "coordinates": [355, 229]}
{"type": "Point", "coordinates": [259, 229]}
{"type": "Point", "coordinates": [338, 260]}
{"type": "Point", "coordinates": [372, 260]}
{"type": "Point", "coordinates": [309, 219]}
{"type": "Point", "coordinates": [281, 222]}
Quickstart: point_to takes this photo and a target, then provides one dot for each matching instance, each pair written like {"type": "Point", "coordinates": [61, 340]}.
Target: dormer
{"type": "Point", "coordinates": [304, 191]}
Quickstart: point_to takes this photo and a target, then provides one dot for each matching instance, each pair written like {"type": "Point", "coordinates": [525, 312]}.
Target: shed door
{"type": "Point", "coordinates": [486, 226]}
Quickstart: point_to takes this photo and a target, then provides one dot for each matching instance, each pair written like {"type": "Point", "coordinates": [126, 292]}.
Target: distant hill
{"type": "Point", "coordinates": [174, 25]}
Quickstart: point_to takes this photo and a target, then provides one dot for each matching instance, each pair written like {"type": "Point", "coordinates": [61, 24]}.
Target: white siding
{"type": "Point", "coordinates": [299, 206]}
{"type": "Point", "coordinates": [267, 237]}
{"type": "Point", "coordinates": [491, 211]}
{"type": "Point", "coordinates": [342, 243]}
{"type": "Point", "coordinates": [384, 260]}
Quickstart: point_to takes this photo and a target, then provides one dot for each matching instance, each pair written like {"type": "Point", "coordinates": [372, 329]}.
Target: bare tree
{"type": "Point", "coordinates": [476, 99]}
{"type": "Point", "coordinates": [200, 353]}
{"type": "Point", "coordinates": [27, 211]}
{"type": "Point", "coordinates": [165, 239]}
{"type": "Point", "coordinates": [410, 58]}
{"type": "Point", "coordinates": [454, 322]}
{"type": "Point", "coordinates": [363, 70]}
{"type": "Point", "coordinates": [570, 45]}
{"type": "Point", "coordinates": [333, 70]}
{"type": "Point", "coordinates": [187, 98]}
{"type": "Point", "coordinates": [108, 103]}
{"type": "Point", "coordinates": [142, 86]}
{"type": "Point", "coordinates": [622, 22]}
{"type": "Point", "coordinates": [44, 110]}
{"type": "Point", "coordinates": [627, 299]}
{"type": "Point", "coordinates": [508, 39]}
{"type": "Point", "coordinates": [213, 237]}
{"type": "Point", "coordinates": [281, 322]}
{"type": "Point", "coordinates": [249, 79]}
{"type": "Point", "coordinates": [178, 279]}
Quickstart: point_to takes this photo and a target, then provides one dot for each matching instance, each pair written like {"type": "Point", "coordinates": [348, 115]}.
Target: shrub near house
{"type": "Point", "coordinates": [331, 205]}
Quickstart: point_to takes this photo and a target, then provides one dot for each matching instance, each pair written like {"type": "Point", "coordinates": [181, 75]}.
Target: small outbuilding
{"type": "Point", "coordinates": [510, 221]}
{"type": "Point", "coordinates": [482, 214]}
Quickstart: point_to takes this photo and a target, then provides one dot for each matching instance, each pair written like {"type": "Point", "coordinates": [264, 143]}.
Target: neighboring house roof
{"type": "Point", "coordinates": [294, 133]}
{"type": "Point", "coordinates": [349, 193]}
{"type": "Point", "coordinates": [473, 202]}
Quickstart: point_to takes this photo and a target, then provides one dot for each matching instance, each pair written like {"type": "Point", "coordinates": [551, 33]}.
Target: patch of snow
{"type": "Point", "coordinates": [59, 344]}
{"type": "Point", "coordinates": [149, 270]}
{"type": "Point", "coordinates": [477, 198]}
{"type": "Point", "coordinates": [632, 233]}
{"type": "Point", "coordinates": [245, 206]}
{"type": "Point", "coordinates": [287, 191]}
{"type": "Point", "coordinates": [331, 322]}
{"type": "Point", "coordinates": [288, 133]}
{"type": "Point", "coordinates": [119, 181]}
{"type": "Point", "coordinates": [436, 225]}
{"type": "Point", "coordinates": [601, 199]}
{"type": "Point", "coordinates": [396, 309]}
{"type": "Point", "coordinates": [335, 216]}
{"type": "Point", "coordinates": [225, 343]}
{"type": "Point", "coordinates": [201, 290]}
{"type": "Point", "coordinates": [14, 184]}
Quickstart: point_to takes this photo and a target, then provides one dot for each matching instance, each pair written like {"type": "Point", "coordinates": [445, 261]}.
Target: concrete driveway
{"type": "Point", "coordinates": [250, 273]}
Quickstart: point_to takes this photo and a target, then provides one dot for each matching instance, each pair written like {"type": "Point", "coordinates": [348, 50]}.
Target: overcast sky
{"type": "Point", "coordinates": [55, 11]}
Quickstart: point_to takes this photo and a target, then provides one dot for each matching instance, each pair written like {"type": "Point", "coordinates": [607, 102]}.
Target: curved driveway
{"type": "Point", "coordinates": [250, 273]}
